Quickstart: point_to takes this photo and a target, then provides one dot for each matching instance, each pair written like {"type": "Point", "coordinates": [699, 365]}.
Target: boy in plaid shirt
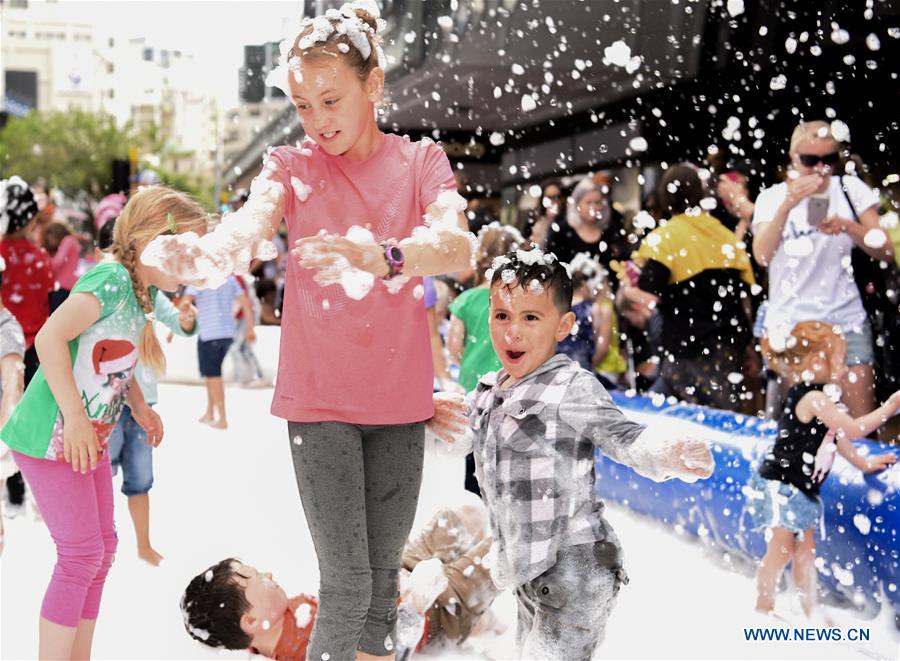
{"type": "Point", "coordinates": [535, 425]}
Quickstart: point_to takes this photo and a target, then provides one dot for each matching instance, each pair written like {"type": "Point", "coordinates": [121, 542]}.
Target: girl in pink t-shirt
{"type": "Point", "coordinates": [355, 372]}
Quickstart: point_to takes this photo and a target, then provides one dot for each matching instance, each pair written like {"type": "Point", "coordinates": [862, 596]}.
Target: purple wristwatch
{"type": "Point", "coordinates": [393, 257]}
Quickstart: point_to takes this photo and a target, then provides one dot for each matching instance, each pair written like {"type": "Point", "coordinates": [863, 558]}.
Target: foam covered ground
{"type": "Point", "coordinates": [233, 493]}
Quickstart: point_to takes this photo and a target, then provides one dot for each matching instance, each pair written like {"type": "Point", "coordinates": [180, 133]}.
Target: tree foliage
{"type": "Point", "coordinates": [74, 151]}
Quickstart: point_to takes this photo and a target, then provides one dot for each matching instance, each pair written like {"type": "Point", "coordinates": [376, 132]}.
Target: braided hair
{"type": "Point", "coordinates": [149, 213]}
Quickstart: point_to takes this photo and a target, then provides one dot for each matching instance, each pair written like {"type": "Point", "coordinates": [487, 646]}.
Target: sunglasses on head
{"type": "Point", "coordinates": [811, 160]}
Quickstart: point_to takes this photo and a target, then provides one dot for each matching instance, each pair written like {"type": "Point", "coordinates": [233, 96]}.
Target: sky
{"type": "Point", "coordinates": [215, 32]}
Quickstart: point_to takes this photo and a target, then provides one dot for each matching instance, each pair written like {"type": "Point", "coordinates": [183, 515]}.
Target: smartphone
{"type": "Point", "coordinates": [817, 209]}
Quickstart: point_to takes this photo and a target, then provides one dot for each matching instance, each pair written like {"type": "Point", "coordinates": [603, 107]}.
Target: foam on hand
{"type": "Point", "coordinates": [207, 261]}
{"type": "Point", "coordinates": [356, 283]}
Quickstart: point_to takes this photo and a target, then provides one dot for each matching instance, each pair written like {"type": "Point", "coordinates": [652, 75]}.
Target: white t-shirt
{"type": "Point", "coordinates": [810, 277]}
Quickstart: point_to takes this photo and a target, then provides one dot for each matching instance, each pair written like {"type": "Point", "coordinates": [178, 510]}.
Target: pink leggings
{"type": "Point", "coordinates": [78, 510]}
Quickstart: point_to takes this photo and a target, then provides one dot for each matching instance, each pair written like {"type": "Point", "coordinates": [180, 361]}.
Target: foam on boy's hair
{"type": "Point", "coordinates": [212, 606]}
{"type": "Point", "coordinates": [536, 272]}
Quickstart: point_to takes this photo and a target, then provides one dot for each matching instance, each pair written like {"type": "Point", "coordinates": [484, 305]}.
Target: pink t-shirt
{"type": "Point", "coordinates": [343, 360]}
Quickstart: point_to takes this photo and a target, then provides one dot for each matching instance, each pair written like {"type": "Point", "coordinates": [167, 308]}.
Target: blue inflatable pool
{"type": "Point", "coordinates": [858, 556]}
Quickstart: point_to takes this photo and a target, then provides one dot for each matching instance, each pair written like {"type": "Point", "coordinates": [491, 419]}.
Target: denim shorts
{"type": "Point", "coordinates": [210, 354]}
{"type": "Point", "coordinates": [860, 350]}
{"type": "Point", "coordinates": [774, 504]}
{"type": "Point", "coordinates": [129, 449]}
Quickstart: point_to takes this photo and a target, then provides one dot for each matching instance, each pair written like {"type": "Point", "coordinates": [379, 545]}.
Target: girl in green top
{"type": "Point", "coordinates": [469, 338]}
{"type": "Point", "coordinates": [88, 351]}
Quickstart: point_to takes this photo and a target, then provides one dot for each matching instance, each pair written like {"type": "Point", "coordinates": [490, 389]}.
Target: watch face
{"type": "Point", "coordinates": [396, 255]}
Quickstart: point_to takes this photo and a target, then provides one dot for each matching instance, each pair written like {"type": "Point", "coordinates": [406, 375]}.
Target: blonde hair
{"type": "Point", "coordinates": [330, 46]}
{"type": "Point", "coordinates": [815, 130]}
{"type": "Point", "coordinates": [585, 186]}
{"type": "Point", "coordinates": [807, 340]}
{"type": "Point", "coordinates": [145, 217]}
{"type": "Point", "coordinates": [494, 240]}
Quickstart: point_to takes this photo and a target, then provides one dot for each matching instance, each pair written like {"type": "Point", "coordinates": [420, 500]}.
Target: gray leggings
{"type": "Point", "coordinates": [359, 485]}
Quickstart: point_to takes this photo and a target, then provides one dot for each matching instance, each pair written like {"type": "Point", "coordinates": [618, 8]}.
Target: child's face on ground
{"type": "Point", "coordinates": [268, 601]}
{"type": "Point", "coordinates": [335, 107]}
{"type": "Point", "coordinates": [525, 328]}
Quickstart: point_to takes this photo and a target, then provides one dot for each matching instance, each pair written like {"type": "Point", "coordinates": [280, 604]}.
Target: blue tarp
{"type": "Point", "coordinates": [859, 555]}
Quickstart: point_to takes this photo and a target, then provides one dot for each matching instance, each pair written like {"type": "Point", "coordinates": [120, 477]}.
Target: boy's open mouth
{"type": "Point", "coordinates": [515, 355]}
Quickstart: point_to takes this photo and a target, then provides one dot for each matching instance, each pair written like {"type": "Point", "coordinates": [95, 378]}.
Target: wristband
{"type": "Point", "coordinates": [394, 259]}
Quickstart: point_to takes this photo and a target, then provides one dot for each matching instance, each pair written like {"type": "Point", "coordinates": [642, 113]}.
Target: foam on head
{"type": "Point", "coordinates": [350, 33]}
{"type": "Point", "coordinates": [536, 272]}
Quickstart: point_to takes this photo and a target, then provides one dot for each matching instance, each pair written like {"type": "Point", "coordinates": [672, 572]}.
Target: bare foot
{"type": "Point", "coordinates": [765, 609]}
{"type": "Point", "coordinates": [148, 554]}
{"type": "Point", "coordinates": [219, 424]}
{"type": "Point", "coordinates": [206, 419]}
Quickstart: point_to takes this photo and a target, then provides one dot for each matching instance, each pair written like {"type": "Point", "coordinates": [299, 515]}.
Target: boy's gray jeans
{"type": "Point", "coordinates": [359, 485]}
{"type": "Point", "coordinates": [563, 612]}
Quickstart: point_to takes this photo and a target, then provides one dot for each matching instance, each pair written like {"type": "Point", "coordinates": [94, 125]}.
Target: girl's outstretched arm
{"type": "Point", "coordinates": [866, 464]}
{"type": "Point", "coordinates": [819, 405]}
{"type": "Point", "coordinates": [243, 235]}
{"type": "Point", "coordinates": [71, 319]}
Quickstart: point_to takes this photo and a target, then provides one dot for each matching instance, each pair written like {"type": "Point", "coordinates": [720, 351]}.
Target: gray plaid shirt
{"type": "Point", "coordinates": [534, 458]}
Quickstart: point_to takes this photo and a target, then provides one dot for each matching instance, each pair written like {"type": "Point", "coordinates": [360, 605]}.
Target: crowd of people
{"type": "Point", "coordinates": [720, 296]}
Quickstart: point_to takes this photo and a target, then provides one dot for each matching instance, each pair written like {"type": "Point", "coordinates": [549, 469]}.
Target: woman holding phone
{"type": "Point", "coordinates": [804, 230]}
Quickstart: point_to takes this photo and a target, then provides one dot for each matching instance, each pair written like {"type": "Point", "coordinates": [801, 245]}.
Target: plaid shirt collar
{"type": "Point", "coordinates": [497, 379]}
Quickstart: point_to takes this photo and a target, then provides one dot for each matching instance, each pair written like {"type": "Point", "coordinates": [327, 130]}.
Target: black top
{"type": "Point", "coordinates": [564, 242]}
{"type": "Point", "coordinates": [697, 317]}
{"type": "Point", "coordinates": [792, 460]}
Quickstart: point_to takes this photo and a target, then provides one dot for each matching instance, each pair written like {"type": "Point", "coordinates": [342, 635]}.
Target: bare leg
{"type": "Point", "coordinates": [139, 507]}
{"type": "Point", "coordinates": [84, 639]}
{"type": "Point", "coordinates": [362, 656]}
{"type": "Point", "coordinates": [778, 554]}
{"type": "Point", "coordinates": [804, 571]}
{"type": "Point", "coordinates": [859, 390]}
{"type": "Point", "coordinates": [55, 640]}
{"type": "Point", "coordinates": [209, 416]}
{"type": "Point", "coordinates": [217, 389]}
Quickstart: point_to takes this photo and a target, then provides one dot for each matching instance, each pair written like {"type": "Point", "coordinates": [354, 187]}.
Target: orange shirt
{"type": "Point", "coordinates": [296, 630]}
